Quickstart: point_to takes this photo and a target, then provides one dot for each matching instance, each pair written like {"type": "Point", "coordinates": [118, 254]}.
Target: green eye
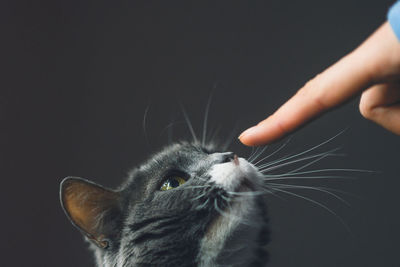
{"type": "Point", "coordinates": [172, 182]}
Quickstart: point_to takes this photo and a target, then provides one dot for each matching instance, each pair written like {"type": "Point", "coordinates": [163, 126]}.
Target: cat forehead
{"type": "Point", "coordinates": [178, 156]}
{"type": "Point", "coordinates": [178, 153]}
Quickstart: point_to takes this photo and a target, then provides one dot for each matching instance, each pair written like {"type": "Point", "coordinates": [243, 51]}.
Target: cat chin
{"type": "Point", "coordinates": [231, 239]}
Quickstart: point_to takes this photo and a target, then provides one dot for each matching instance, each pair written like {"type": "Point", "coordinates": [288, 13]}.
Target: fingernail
{"type": "Point", "coordinates": [248, 131]}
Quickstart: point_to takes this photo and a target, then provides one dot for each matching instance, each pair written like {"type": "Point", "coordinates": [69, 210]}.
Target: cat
{"type": "Point", "coordinates": [187, 205]}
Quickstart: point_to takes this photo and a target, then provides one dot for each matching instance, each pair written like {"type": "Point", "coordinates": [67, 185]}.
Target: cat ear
{"type": "Point", "coordinates": [92, 208]}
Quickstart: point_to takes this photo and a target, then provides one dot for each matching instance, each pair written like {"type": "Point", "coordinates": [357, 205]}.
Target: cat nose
{"type": "Point", "coordinates": [228, 157]}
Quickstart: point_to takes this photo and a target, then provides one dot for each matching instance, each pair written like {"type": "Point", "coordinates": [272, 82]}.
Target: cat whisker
{"type": "Point", "coordinates": [273, 153]}
{"type": "Point", "coordinates": [146, 111]}
{"type": "Point", "coordinates": [251, 158]}
{"type": "Point", "coordinates": [267, 178]}
{"type": "Point", "coordinates": [225, 198]}
{"type": "Point", "coordinates": [316, 203]}
{"type": "Point", "coordinates": [206, 180]}
{"type": "Point", "coordinates": [312, 162]}
{"type": "Point", "coordinates": [203, 194]}
{"type": "Point", "coordinates": [261, 152]}
{"type": "Point", "coordinates": [330, 189]}
{"type": "Point", "coordinates": [170, 133]}
{"type": "Point", "coordinates": [253, 151]}
{"type": "Point", "coordinates": [270, 167]}
{"type": "Point", "coordinates": [269, 191]}
{"type": "Point", "coordinates": [193, 187]}
{"type": "Point", "coordinates": [317, 171]}
{"type": "Point", "coordinates": [257, 153]}
{"type": "Point", "coordinates": [320, 189]}
{"type": "Point", "coordinates": [198, 197]}
{"type": "Point", "coordinates": [213, 134]}
{"type": "Point", "coordinates": [169, 127]}
{"type": "Point", "coordinates": [217, 208]}
{"type": "Point", "coordinates": [230, 216]}
{"type": "Point", "coordinates": [255, 157]}
{"type": "Point", "coordinates": [295, 157]}
{"type": "Point", "coordinates": [310, 149]}
{"type": "Point", "coordinates": [203, 141]}
{"type": "Point", "coordinates": [203, 205]}
{"type": "Point", "coordinates": [229, 140]}
{"type": "Point", "coordinates": [254, 193]}
{"type": "Point", "coordinates": [247, 193]}
{"type": "Point", "coordinates": [189, 124]}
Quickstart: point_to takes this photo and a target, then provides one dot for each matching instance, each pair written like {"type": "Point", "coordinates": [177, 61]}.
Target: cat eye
{"type": "Point", "coordinates": [172, 182]}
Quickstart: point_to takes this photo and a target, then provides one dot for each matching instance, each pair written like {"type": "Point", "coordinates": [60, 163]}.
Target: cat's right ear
{"type": "Point", "coordinates": [93, 209]}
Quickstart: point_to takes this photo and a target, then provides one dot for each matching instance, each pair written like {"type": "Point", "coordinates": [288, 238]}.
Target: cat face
{"type": "Point", "coordinates": [186, 206]}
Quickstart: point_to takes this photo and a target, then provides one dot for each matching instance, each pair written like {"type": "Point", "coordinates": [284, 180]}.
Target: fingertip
{"type": "Point", "coordinates": [246, 136]}
{"type": "Point", "coordinates": [254, 136]}
{"type": "Point", "coordinates": [247, 132]}
{"type": "Point", "coordinates": [245, 141]}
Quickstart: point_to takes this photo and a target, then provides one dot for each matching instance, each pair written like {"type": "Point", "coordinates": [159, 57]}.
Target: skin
{"type": "Point", "coordinates": [372, 69]}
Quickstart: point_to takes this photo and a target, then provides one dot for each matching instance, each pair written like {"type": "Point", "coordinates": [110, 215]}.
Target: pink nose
{"type": "Point", "coordinates": [235, 159]}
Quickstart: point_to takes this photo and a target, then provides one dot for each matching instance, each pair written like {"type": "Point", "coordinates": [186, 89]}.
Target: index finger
{"type": "Point", "coordinates": [332, 87]}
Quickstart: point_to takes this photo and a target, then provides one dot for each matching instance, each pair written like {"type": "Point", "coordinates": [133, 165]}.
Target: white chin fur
{"type": "Point", "coordinates": [230, 175]}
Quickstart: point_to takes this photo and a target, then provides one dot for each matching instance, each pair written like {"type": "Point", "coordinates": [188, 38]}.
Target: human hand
{"type": "Point", "coordinates": [373, 67]}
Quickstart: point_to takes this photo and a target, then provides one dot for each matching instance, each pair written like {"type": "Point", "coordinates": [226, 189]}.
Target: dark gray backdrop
{"type": "Point", "coordinates": [77, 77]}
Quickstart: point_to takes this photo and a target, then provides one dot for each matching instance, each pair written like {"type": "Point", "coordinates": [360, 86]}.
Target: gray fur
{"type": "Point", "coordinates": [195, 224]}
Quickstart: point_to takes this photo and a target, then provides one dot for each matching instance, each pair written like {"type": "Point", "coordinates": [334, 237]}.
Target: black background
{"type": "Point", "coordinates": [77, 77]}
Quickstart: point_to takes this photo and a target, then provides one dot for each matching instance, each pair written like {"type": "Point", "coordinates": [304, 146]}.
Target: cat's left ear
{"type": "Point", "coordinates": [93, 209]}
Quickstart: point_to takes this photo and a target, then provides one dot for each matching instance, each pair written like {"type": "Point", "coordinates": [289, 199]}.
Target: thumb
{"type": "Point", "coordinates": [381, 104]}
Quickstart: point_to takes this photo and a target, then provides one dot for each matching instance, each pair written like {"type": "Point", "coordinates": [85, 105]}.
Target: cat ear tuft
{"type": "Point", "coordinates": [93, 209]}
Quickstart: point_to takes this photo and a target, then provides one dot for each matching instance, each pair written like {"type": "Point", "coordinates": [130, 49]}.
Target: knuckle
{"type": "Point", "coordinates": [312, 92]}
{"type": "Point", "coordinates": [282, 130]}
{"type": "Point", "coordinates": [311, 85]}
{"type": "Point", "coordinates": [307, 90]}
{"type": "Point", "coordinates": [319, 102]}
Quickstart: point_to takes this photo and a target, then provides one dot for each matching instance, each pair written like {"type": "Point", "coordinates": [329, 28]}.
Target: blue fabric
{"type": "Point", "coordinates": [394, 18]}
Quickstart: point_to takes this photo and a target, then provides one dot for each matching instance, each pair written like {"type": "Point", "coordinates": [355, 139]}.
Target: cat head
{"type": "Point", "coordinates": [186, 206]}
